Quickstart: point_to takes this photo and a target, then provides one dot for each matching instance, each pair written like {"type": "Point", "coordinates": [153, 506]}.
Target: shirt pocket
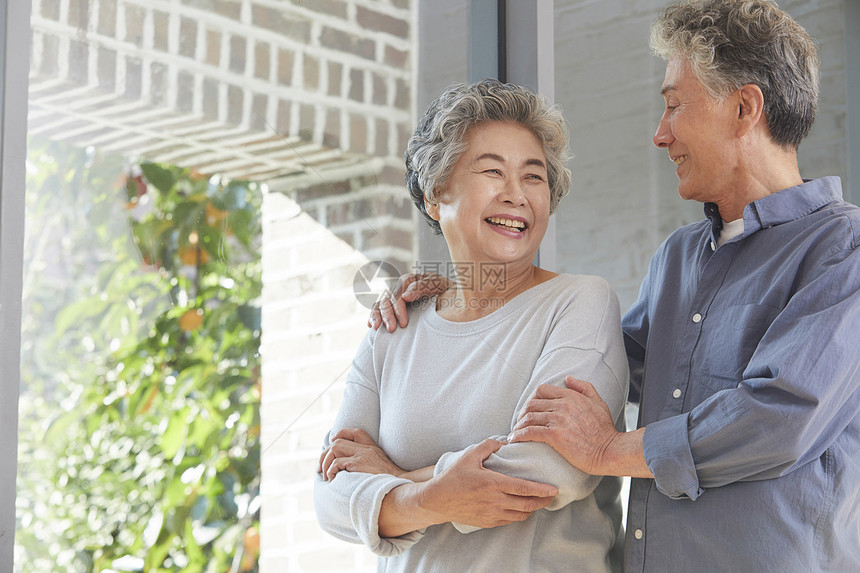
{"type": "Point", "coordinates": [729, 340]}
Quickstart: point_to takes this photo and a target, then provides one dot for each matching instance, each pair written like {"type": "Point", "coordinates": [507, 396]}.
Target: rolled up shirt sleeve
{"type": "Point", "coordinates": [667, 453]}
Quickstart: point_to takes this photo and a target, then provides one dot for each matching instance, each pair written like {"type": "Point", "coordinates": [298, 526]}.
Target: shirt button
{"type": "Point", "coordinates": [676, 393]}
{"type": "Point", "coordinates": [713, 246]}
{"type": "Point", "coordinates": [697, 318]}
{"type": "Point", "coordinates": [638, 534]}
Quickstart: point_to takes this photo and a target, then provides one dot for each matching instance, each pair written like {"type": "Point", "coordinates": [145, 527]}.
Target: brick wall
{"type": "Point", "coordinates": [315, 240]}
{"type": "Point", "coordinates": [245, 88]}
{"type": "Point", "coordinates": [319, 229]}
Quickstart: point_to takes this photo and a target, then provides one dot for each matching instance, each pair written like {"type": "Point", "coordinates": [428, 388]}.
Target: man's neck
{"type": "Point", "coordinates": [763, 173]}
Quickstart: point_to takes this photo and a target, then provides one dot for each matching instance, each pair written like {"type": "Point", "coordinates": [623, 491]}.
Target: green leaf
{"type": "Point", "coordinates": [234, 196]}
{"type": "Point", "coordinates": [161, 178]}
{"type": "Point", "coordinates": [174, 435]}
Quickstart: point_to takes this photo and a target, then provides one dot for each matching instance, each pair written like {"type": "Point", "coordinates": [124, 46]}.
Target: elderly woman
{"type": "Point", "coordinates": [407, 466]}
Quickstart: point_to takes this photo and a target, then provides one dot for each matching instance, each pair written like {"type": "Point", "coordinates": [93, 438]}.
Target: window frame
{"type": "Point", "coordinates": [14, 68]}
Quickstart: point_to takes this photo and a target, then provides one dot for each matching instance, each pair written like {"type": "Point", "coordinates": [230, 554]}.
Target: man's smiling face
{"type": "Point", "coordinates": [697, 130]}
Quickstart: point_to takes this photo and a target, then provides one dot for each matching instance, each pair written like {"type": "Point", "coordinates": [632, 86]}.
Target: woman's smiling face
{"type": "Point", "coordinates": [495, 205]}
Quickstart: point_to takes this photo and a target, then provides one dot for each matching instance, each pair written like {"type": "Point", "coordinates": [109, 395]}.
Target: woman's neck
{"type": "Point", "coordinates": [486, 290]}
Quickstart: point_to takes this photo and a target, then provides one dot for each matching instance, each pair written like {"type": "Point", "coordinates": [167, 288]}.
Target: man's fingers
{"type": "Point", "coordinates": [393, 307]}
{"type": "Point", "coordinates": [414, 287]}
{"type": "Point", "coordinates": [424, 285]}
{"type": "Point", "coordinates": [390, 309]}
{"type": "Point", "coordinates": [546, 395]}
{"type": "Point", "coordinates": [399, 307]}
{"type": "Point", "coordinates": [532, 434]}
{"type": "Point", "coordinates": [549, 392]}
{"type": "Point", "coordinates": [581, 386]}
{"type": "Point", "coordinates": [386, 313]}
{"type": "Point", "coordinates": [375, 318]}
{"type": "Point", "coordinates": [413, 292]}
{"type": "Point", "coordinates": [385, 310]}
{"type": "Point", "coordinates": [543, 400]}
{"type": "Point", "coordinates": [534, 418]}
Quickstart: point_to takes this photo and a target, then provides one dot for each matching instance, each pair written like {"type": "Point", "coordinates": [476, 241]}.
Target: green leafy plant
{"type": "Point", "coordinates": [139, 447]}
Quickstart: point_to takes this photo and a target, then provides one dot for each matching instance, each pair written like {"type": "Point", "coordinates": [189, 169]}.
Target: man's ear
{"type": "Point", "coordinates": [432, 209]}
{"type": "Point", "coordinates": [750, 108]}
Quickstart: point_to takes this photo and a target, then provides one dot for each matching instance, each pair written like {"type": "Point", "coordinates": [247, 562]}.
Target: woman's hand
{"type": "Point", "coordinates": [390, 309]}
{"type": "Point", "coordinates": [466, 493]}
{"type": "Point", "coordinates": [353, 450]}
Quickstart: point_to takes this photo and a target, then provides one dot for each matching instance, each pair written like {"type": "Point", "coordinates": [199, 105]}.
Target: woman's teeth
{"type": "Point", "coordinates": [510, 224]}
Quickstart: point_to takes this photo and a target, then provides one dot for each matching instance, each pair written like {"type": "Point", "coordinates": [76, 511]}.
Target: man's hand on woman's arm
{"type": "Point", "coordinates": [390, 309]}
{"type": "Point", "coordinates": [465, 493]}
{"type": "Point", "coordinates": [576, 422]}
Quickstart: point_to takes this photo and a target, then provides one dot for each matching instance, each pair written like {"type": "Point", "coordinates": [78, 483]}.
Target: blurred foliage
{"type": "Point", "coordinates": [139, 416]}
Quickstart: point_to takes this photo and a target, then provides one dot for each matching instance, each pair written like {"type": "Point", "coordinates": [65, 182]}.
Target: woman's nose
{"type": "Point", "coordinates": [513, 193]}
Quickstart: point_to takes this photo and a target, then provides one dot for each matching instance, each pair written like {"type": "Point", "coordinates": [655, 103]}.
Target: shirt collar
{"type": "Point", "coordinates": [783, 206]}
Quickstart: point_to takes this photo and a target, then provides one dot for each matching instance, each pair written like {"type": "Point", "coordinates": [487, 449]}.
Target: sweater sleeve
{"type": "Point", "coordinates": [348, 506]}
{"type": "Point", "coordinates": [585, 341]}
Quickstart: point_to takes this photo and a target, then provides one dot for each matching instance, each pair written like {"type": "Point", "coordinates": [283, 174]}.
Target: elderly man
{"type": "Point", "coordinates": [744, 345]}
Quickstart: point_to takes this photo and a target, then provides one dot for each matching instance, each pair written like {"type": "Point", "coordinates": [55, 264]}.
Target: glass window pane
{"type": "Point", "coordinates": [202, 172]}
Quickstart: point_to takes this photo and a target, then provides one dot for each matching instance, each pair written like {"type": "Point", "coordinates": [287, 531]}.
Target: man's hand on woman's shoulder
{"type": "Point", "coordinates": [390, 309]}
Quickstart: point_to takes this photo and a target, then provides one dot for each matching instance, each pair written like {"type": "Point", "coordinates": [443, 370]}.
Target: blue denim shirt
{"type": "Point", "coordinates": [745, 360]}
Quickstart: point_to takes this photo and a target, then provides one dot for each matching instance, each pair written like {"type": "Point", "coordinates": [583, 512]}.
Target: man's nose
{"type": "Point", "coordinates": [663, 136]}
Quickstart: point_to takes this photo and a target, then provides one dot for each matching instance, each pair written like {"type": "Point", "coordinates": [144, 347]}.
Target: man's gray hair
{"type": "Point", "coordinates": [731, 43]}
{"type": "Point", "coordinates": [440, 136]}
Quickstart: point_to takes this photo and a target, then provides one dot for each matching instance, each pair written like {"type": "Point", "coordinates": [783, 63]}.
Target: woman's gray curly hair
{"type": "Point", "coordinates": [440, 136]}
{"type": "Point", "coordinates": [731, 43]}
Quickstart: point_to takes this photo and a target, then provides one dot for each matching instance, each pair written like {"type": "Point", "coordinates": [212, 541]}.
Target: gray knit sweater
{"type": "Point", "coordinates": [427, 392]}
